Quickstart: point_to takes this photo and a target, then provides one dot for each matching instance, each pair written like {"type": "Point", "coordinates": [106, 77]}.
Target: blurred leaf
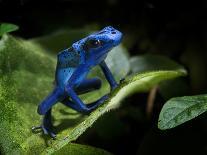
{"type": "Point", "coordinates": [169, 89]}
{"type": "Point", "coordinates": [61, 39]}
{"type": "Point", "coordinates": [6, 28]}
{"type": "Point", "coordinates": [146, 63]}
{"type": "Point", "coordinates": [195, 59]}
{"type": "Point", "coordinates": [27, 73]}
{"type": "Point", "coordinates": [180, 110]}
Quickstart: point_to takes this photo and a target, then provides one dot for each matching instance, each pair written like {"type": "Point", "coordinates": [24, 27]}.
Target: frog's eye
{"type": "Point", "coordinates": [93, 43]}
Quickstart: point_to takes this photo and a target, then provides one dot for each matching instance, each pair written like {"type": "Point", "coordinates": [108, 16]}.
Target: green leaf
{"type": "Point", "coordinates": [137, 83]}
{"type": "Point", "coordinates": [77, 149]}
{"type": "Point", "coordinates": [180, 110]}
{"type": "Point", "coordinates": [27, 72]}
{"type": "Point", "coordinates": [149, 62]}
{"type": "Point", "coordinates": [6, 28]}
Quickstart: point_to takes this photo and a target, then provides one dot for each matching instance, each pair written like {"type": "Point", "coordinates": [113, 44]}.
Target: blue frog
{"type": "Point", "coordinates": [73, 65]}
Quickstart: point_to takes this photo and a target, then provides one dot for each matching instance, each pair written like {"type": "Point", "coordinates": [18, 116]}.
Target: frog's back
{"type": "Point", "coordinates": [67, 62]}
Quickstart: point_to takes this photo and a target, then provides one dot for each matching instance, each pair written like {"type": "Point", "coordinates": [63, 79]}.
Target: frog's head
{"type": "Point", "coordinates": [96, 46]}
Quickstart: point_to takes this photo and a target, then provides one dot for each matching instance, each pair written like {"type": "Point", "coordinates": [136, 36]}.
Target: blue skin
{"type": "Point", "coordinates": [73, 65]}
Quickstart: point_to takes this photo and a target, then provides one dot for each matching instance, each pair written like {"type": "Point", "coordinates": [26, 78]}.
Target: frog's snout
{"type": "Point", "coordinates": [117, 37]}
{"type": "Point", "coordinates": [114, 35]}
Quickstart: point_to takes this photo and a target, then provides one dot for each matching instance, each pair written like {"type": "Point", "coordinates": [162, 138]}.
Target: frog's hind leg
{"type": "Point", "coordinates": [76, 103]}
{"type": "Point", "coordinates": [88, 85]}
{"type": "Point", "coordinates": [84, 108]}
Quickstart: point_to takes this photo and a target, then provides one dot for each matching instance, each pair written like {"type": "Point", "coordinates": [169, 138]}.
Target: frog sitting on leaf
{"type": "Point", "coordinates": [73, 65]}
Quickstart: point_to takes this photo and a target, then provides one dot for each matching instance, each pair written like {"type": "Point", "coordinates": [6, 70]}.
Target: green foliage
{"type": "Point", "coordinates": [6, 28]}
{"type": "Point", "coordinates": [180, 110]}
{"type": "Point", "coordinates": [27, 72]}
{"type": "Point", "coordinates": [77, 149]}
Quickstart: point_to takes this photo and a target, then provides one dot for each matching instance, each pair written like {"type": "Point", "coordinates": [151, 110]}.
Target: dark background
{"type": "Point", "coordinates": [172, 28]}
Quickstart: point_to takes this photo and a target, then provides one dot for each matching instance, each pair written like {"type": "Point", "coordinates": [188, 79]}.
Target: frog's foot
{"type": "Point", "coordinates": [122, 80]}
{"type": "Point", "coordinates": [45, 130]}
{"type": "Point", "coordinates": [114, 86]}
{"type": "Point", "coordinates": [46, 126]}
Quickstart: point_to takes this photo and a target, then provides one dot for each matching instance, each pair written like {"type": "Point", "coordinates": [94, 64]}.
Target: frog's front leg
{"type": "Point", "coordinates": [108, 75]}
{"type": "Point", "coordinates": [45, 109]}
{"type": "Point", "coordinates": [46, 125]}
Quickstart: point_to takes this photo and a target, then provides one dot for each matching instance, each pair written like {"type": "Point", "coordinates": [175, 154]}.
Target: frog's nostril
{"type": "Point", "coordinates": [110, 27]}
{"type": "Point", "coordinates": [113, 32]}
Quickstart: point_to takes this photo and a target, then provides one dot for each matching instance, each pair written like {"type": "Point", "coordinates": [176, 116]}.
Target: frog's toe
{"type": "Point", "coordinates": [48, 132]}
{"type": "Point", "coordinates": [36, 129]}
{"type": "Point", "coordinates": [53, 135]}
{"type": "Point", "coordinates": [122, 80]}
{"type": "Point", "coordinates": [45, 131]}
